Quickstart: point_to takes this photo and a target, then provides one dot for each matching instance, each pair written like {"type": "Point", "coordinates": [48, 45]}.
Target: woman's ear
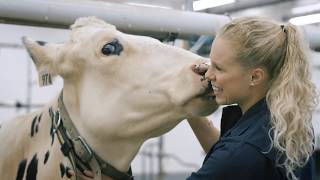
{"type": "Point", "coordinates": [258, 76]}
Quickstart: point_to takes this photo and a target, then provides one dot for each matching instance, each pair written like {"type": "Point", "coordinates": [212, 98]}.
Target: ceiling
{"type": "Point", "coordinates": [281, 10]}
{"type": "Point", "coordinates": [278, 9]}
{"type": "Point", "coordinates": [154, 22]}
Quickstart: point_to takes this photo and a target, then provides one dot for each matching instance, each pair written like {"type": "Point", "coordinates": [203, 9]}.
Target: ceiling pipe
{"type": "Point", "coordinates": [156, 22]}
{"type": "Point", "coordinates": [243, 5]}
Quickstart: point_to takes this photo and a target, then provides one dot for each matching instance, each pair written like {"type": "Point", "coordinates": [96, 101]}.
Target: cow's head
{"type": "Point", "coordinates": [121, 83]}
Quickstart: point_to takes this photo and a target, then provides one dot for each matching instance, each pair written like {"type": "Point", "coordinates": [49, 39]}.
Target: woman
{"type": "Point", "coordinates": [262, 67]}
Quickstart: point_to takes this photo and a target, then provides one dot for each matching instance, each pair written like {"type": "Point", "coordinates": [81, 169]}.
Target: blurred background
{"type": "Point", "coordinates": [190, 24]}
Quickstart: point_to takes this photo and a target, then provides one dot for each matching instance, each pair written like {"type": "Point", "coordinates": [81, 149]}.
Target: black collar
{"type": "Point", "coordinates": [74, 146]}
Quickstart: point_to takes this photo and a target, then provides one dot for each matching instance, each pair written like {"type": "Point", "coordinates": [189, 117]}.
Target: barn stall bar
{"type": "Point", "coordinates": [154, 22]}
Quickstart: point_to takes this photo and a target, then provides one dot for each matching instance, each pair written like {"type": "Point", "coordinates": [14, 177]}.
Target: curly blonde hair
{"type": "Point", "coordinates": [291, 96]}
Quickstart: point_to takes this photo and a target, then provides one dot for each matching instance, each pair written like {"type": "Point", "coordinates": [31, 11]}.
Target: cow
{"type": "Point", "coordinates": [118, 91]}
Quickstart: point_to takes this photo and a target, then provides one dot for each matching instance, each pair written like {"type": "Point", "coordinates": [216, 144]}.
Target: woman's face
{"type": "Point", "coordinates": [230, 80]}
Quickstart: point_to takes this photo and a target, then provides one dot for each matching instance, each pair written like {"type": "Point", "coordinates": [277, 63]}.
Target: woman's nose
{"type": "Point", "coordinates": [209, 75]}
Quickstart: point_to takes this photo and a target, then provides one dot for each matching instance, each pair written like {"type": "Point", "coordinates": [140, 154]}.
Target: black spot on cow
{"type": "Point", "coordinates": [37, 128]}
{"type": "Point", "coordinates": [39, 118]}
{"type": "Point", "coordinates": [51, 128]}
{"type": "Point", "coordinates": [52, 135]}
{"type": "Point", "coordinates": [21, 169]}
{"type": "Point", "coordinates": [46, 157]}
{"type": "Point", "coordinates": [62, 170]}
{"type": "Point", "coordinates": [33, 124]}
{"type": "Point", "coordinates": [32, 169]}
{"type": "Point", "coordinates": [51, 113]}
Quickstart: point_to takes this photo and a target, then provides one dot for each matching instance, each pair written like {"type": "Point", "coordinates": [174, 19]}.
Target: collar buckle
{"type": "Point", "coordinates": [56, 120]}
{"type": "Point", "coordinates": [83, 150]}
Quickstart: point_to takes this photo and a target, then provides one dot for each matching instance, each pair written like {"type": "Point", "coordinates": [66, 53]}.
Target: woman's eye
{"type": "Point", "coordinates": [112, 48]}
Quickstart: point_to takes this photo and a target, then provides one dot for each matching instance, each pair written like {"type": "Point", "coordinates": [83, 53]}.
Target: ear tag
{"type": "Point", "coordinates": [45, 78]}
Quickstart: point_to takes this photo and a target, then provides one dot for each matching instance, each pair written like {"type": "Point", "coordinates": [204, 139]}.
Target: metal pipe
{"type": "Point", "coordinates": [312, 35]}
{"type": "Point", "coordinates": [198, 44]}
{"type": "Point", "coordinates": [128, 18]}
{"type": "Point", "coordinates": [11, 45]}
{"type": "Point", "coordinates": [29, 85]}
{"type": "Point", "coordinates": [161, 172]}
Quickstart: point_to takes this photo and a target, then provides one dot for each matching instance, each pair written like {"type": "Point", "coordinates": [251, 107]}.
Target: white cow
{"type": "Point", "coordinates": [119, 90]}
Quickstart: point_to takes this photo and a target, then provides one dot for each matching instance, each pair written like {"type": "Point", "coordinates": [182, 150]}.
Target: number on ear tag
{"type": "Point", "coordinates": [45, 78]}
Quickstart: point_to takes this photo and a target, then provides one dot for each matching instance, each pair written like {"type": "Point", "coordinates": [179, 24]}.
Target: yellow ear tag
{"type": "Point", "coordinates": [45, 78]}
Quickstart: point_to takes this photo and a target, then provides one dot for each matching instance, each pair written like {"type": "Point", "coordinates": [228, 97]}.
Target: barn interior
{"type": "Point", "coordinates": [189, 24]}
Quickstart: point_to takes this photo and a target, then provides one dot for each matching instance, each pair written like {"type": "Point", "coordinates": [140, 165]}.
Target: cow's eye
{"type": "Point", "coordinates": [112, 48]}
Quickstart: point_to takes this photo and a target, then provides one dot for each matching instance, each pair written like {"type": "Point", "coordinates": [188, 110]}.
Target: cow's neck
{"type": "Point", "coordinates": [118, 152]}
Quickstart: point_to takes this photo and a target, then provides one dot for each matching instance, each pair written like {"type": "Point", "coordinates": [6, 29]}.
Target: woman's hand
{"type": "Point", "coordinates": [88, 175]}
{"type": "Point", "coordinates": [200, 69]}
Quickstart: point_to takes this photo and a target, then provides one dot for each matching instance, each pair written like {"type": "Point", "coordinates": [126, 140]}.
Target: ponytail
{"type": "Point", "coordinates": [291, 99]}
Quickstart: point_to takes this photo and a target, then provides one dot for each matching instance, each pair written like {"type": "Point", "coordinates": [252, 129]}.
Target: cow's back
{"type": "Point", "coordinates": [31, 149]}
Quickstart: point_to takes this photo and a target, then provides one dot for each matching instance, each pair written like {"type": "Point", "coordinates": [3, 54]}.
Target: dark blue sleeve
{"type": "Point", "coordinates": [232, 162]}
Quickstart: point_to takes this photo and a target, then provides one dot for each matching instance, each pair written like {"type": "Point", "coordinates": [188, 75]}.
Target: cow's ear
{"type": "Point", "coordinates": [43, 56]}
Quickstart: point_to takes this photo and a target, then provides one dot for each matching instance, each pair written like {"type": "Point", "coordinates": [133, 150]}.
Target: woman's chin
{"type": "Point", "coordinates": [220, 100]}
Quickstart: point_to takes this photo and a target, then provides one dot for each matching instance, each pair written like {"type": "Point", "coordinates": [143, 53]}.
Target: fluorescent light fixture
{"type": "Point", "coordinates": [147, 5]}
{"type": "Point", "coordinates": [308, 19]}
{"type": "Point", "coordinates": [205, 4]}
{"type": "Point", "coordinates": [305, 9]}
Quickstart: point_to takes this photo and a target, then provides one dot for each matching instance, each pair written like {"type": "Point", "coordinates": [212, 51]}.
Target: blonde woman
{"type": "Point", "coordinates": [262, 67]}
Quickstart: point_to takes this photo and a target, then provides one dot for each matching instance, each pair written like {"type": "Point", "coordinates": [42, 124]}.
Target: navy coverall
{"type": "Point", "coordinates": [243, 151]}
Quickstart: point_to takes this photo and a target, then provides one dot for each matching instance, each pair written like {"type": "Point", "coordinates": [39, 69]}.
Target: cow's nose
{"type": "Point", "coordinates": [200, 69]}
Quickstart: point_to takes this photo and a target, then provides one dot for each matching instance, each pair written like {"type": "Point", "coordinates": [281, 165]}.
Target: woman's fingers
{"type": "Point", "coordinates": [88, 175]}
{"type": "Point", "coordinates": [71, 172]}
